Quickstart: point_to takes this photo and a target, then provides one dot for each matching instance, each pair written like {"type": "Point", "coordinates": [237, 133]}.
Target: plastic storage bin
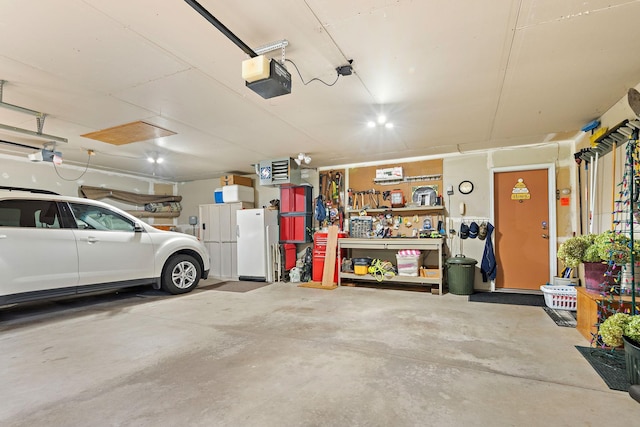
{"type": "Point", "coordinates": [217, 195]}
{"type": "Point", "coordinates": [237, 193]}
{"type": "Point", "coordinates": [408, 262]}
{"type": "Point", "coordinates": [560, 297]}
{"type": "Point", "coordinates": [361, 266]}
{"type": "Point", "coordinates": [360, 226]}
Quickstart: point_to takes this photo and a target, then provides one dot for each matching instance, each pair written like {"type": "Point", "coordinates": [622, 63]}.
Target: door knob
{"type": "Point", "coordinates": [545, 236]}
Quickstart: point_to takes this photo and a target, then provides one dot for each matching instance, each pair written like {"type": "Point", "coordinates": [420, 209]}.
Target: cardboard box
{"type": "Point", "coordinates": [236, 180]}
{"type": "Point", "coordinates": [431, 273]}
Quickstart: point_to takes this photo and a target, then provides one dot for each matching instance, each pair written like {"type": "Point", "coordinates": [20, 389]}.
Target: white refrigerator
{"type": "Point", "coordinates": [257, 235]}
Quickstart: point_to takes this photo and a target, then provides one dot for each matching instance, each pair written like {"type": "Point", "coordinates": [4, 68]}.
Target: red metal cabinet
{"type": "Point", "coordinates": [296, 214]}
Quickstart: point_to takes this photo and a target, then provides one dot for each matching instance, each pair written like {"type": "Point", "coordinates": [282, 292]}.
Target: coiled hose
{"type": "Point", "coordinates": [381, 270]}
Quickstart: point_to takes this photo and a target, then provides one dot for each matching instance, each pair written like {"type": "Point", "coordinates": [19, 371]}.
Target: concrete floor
{"type": "Point", "coordinates": [288, 356]}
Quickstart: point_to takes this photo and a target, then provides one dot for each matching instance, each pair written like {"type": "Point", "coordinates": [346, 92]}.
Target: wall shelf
{"type": "Point", "coordinates": [407, 179]}
{"type": "Point", "coordinates": [405, 209]}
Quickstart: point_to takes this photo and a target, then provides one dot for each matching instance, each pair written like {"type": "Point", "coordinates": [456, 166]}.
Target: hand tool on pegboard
{"type": "Point", "coordinates": [372, 200]}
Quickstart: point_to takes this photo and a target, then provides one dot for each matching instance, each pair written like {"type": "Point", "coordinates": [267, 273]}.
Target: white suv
{"type": "Point", "coordinates": [52, 245]}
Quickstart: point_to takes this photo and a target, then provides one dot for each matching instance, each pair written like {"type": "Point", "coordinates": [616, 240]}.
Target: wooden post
{"type": "Point", "coordinates": [330, 257]}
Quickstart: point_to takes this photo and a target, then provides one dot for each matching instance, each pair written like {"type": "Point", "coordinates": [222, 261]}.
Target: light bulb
{"type": "Point", "coordinates": [307, 159]}
{"type": "Point", "coordinates": [301, 157]}
{"type": "Point", "coordinates": [381, 119]}
{"type": "Point", "coordinates": [159, 160]}
{"type": "Point", "coordinates": [150, 159]}
{"type": "Point", "coordinates": [388, 125]}
{"type": "Point", "coordinates": [371, 123]}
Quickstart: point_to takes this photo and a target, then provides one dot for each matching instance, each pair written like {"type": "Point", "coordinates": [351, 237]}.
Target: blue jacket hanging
{"type": "Point", "coordinates": [321, 210]}
{"type": "Point", "coordinates": [488, 267]}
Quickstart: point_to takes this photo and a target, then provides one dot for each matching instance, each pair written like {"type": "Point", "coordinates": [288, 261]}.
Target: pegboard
{"type": "Point", "coordinates": [362, 178]}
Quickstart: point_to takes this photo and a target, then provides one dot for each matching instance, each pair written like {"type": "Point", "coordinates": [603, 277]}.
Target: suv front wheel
{"type": "Point", "coordinates": [181, 274]}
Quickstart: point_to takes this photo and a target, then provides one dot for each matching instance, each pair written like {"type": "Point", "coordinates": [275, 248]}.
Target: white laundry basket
{"type": "Point", "coordinates": [560, 297]}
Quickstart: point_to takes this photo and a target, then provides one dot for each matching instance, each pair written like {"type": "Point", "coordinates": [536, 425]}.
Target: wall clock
{"type": "Point", "coordinates": [465, 187]}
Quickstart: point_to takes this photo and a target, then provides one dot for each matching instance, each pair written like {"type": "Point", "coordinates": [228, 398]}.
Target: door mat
{"type": "Point", "coordinates": [236, 286]}
{"type": "Point", "coordinates": [508, 298]}
{"type": "Point", "coordinates": [566, 318]}
{"type": "Point", "coordinates": [611, 366]}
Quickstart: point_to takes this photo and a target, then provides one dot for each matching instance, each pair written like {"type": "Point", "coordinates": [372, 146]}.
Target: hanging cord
{"type": "Point", "coordinates": [81, 175]}
{"type": "Point", "coordinates": [315, 78]}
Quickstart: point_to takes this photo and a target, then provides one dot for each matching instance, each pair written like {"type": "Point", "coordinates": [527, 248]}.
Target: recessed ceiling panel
{"type": "Point", "coordinates": [128, 133]}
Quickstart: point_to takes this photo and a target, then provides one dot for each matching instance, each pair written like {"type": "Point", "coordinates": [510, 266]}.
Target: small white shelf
{"type": "Point", "coordinates": [407, 179]}
{"type": "Point", "coordinates": [406, 209]}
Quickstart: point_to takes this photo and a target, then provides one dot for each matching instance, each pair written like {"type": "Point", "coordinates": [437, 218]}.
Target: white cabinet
{"type": "Point", "coordinates": [218, 233]}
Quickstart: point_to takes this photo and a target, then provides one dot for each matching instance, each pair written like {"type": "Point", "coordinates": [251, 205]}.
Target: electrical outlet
{"type": "Point", "coordinates": [450, 190]}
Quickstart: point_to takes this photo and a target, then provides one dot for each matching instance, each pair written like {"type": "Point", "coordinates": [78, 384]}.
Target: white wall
{"type": "Point", "coordinates": [477, 169]}
{"type": "Point", "coordinates": [196, 193]}
{"type": "Point", "coordinates": [16, 171]}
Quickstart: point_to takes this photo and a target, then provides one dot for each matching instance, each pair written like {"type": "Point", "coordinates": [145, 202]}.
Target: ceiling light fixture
{"type": "Point", "coordinates": [156, 159]}
{"type": "Point", "coordinates": [302, 157]}
{"type": "Point", "coordinates": [381, 121]}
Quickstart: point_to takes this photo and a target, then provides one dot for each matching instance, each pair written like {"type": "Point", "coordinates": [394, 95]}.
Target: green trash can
{"type": "Point", "coordinates": [460, 274]}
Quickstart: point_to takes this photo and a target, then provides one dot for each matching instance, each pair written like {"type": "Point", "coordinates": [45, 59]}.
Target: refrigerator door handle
{"type": "Point", "coordinates": [237, 230]}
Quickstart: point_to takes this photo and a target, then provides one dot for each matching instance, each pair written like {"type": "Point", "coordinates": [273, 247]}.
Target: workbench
{"type": "Point", "coordinates": [374, 247]}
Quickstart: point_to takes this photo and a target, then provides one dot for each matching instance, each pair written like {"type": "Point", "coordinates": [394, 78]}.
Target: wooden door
{"type": "Point", "coordinates": [522, 229]}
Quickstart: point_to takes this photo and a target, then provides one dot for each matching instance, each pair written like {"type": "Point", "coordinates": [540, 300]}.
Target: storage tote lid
{"type": "Point", "coordinates": [461, 259]}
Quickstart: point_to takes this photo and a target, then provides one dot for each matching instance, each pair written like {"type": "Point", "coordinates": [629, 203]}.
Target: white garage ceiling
{"type": "Point", "coordinates": [451, 75]}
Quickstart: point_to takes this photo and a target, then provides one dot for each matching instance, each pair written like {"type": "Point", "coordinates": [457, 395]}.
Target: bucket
{"type": "Point", "coordinates": [632, 357]}
{"type": "Point", "coordinates": [361, 266]}
{"type": "Point", "coordinates": [627, 280]}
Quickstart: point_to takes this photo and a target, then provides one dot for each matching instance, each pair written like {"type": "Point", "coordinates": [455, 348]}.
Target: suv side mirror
{"type": "Point", "coordinates": [138, 228]}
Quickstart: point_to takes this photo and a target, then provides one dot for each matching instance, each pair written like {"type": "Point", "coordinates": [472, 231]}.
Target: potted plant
{"type": "Point", "coordinates": [601, 254]}
{"type": "Point", "coordinates": [622, 329]}
{"type": "Point", "coordinates": [573, 251]}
